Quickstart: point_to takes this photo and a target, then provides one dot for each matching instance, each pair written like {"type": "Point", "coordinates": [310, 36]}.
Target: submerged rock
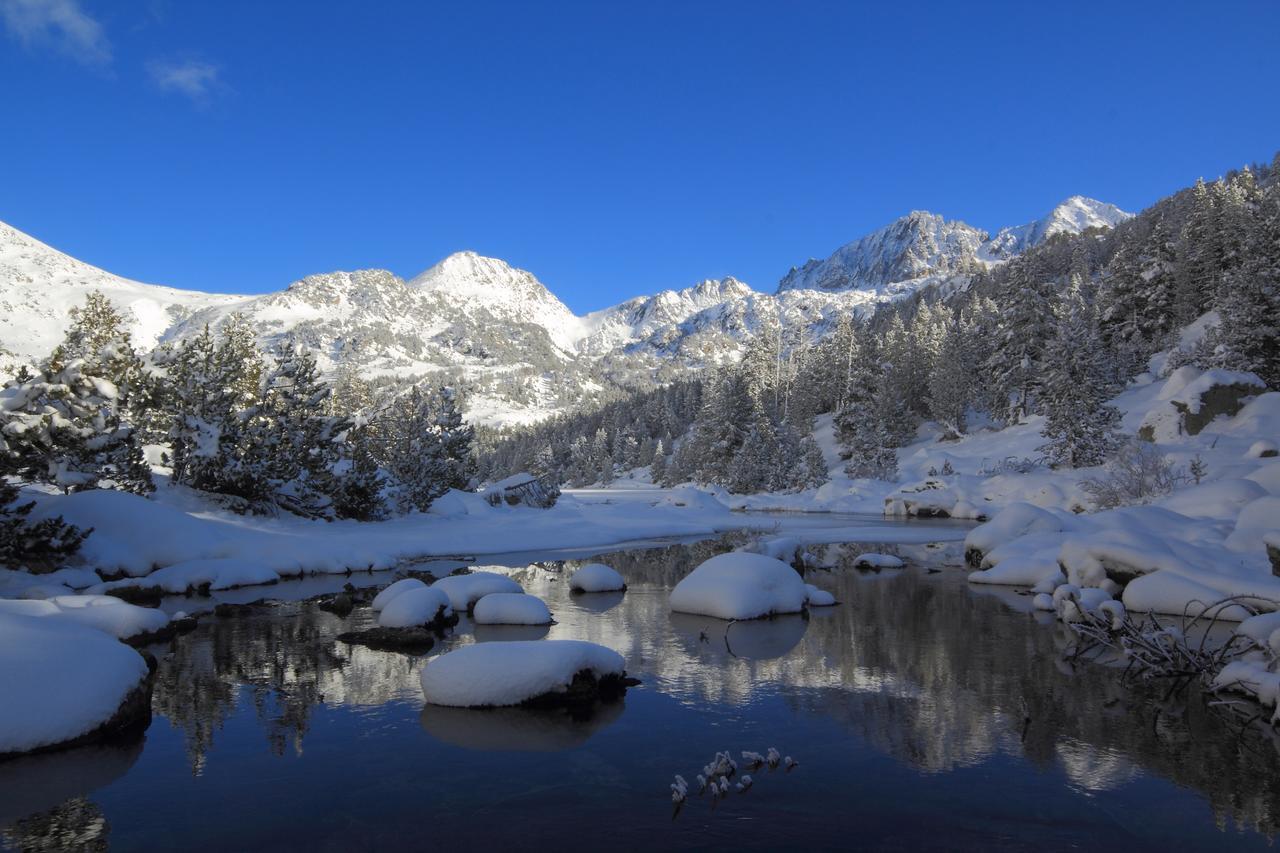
{"type": "Point", "coordinates": [415, 641]}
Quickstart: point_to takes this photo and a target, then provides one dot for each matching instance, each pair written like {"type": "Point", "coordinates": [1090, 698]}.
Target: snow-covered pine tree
{"type": "Point", "coordinates": [1248, 300]}
{"type": "Point", "coordinates": [64, 426]}
{"type": "Point", "coordinates": [35, 545]}
{"type": "Point", "coordinates": [1025, 324]}
{"type": "Point", "coordinates": [658, 465]}
{"type": "Point", "coordinates": [455, 437]}
{"type": "Point", "coordinates": [357, 483]}
{"type": "Point", "coordinates": [411, 450]}
{"type": "Point", "coordinates": [951, 382]}
{"type": "Point", "coordinates": [1080, 425]}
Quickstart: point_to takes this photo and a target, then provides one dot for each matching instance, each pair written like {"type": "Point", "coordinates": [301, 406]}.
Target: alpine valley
{"type": "Point", "coordinates": [515, 352]}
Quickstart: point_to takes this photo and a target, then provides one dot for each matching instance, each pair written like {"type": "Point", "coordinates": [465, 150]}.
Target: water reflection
{"type": "Point", "coordinates": [913, 668]}
{"type": "Point", "coordinates": [517, 729]}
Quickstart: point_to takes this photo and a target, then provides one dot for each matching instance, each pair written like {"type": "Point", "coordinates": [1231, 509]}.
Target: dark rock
{"type": "Point", "coordinates": [973, 557]}
{"type": "Point", "coordinates": [1273, 554]}
{"type": "Point", "coordinates": [414, 641]}
{"type": "Point", "coordinates": [584, 691]}
{"type": "Point", "coordinates": [1218, 400]}
{"type": "Point", "coordinates": [143, 596]}
{"type": "Point", "coordinates": [339, 605]}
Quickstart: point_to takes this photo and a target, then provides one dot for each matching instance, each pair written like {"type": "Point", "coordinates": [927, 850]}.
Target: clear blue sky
{"type": "Point", "coordinates": [611, 148]}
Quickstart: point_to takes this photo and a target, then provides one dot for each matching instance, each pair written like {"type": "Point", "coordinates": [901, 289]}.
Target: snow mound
{"type": "Point", "coordinates": [816, 597]}
{"type": "Point", "coordinates": [104, 613]}
{"type": "Point", "coordinates": [414, 606]}
{"type": "Point", "coordinates": [465, 590]}
{"type": "Point", "coordinates": [511, 608]}
{"type": "Point", "coordinates": [1262, 449]}
{"type": "Point", "coordinates": [596, 577]}
{"type": "Point", "coordinates": [383, 598]}
{"type": "Point", "coordinates": [740, 586]}
{"type": "Point", "coordinates": [693, 498]}
{"type": "Point", "coordinates": [500, 674]}
{"type": "Point", "coordinates": [61, 680]}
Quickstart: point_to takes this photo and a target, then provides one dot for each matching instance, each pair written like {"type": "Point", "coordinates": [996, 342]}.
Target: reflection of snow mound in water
{"type": "Point", "coordinates": [598, 602]}
{"type": "Point", "coordinates": [37, 783]}
{"type": "Point", "coordinates": [509, 633]}
{"type": "Point", "coordinates": [756, 639]}
{"type": "Point", "coordinates": [517, 729]}
{"type": "Point", "coordinates": [739, 585]}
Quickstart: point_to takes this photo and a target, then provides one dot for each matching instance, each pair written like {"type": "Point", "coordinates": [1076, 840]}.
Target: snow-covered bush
{"type": "Point", "coordinates": [1137, 473]}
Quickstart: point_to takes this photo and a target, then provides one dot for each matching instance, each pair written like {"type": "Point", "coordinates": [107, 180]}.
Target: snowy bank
{"type": "Point", "coordinates": [740, 585]}
{"type": "Point", "coordinates": [514, 673]}
{"type": "Point", "coordinates": [108, 614]}
{"type": "Point", "coordinates": [64, 683]}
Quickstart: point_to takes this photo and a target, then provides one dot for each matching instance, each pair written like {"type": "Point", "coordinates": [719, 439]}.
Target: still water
{"type": "Point", "coordinates": [925, 714]}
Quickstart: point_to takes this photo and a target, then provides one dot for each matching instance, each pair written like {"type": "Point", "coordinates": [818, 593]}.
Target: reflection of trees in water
{"type": "Point", "coordinates": [77, 824]}
{"type": "Point", "coordinates": [284, 657]}
{"type": "Point", "coordinates": [986, 681]}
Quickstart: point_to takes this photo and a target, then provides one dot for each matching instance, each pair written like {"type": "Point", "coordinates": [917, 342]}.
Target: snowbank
{"type": "Point", "coordinates": [61, 681]}
{"type": "Point", "coordinates": [740, 586]}
{"type": "Point", "coordinates": [596, 577]}
{"type": "Point", "coordinates": [105, 613]}
{"type": "Point", "coordinates": [500, 674]}
{"type": "Point", "coordinates": [816, 597]}
{"type": "Point", "coordinates": [415, 606]}
{"type": "Point", "coordinates": [465, 590]}
{"type": "Point", "coordinates": [511, 608]}
{"type": "Point", "coordinates": [226, 573]}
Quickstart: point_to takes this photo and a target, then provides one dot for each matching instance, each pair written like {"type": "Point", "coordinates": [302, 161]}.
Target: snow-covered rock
{"type": "Point", "coordinates": [817, 597]}
{"type": "Point", "coordinates": [62, 681]}
{"type": "Point", "coordinates": [500, 674]}
{"type": "Point", "coordinates": [739, 585]}
{"type": "Point", "coordinates": [385, 596]}
{"type": "Point", "coordinates": [466, 589]}
{"type": "Point", "coordinates": [596, 577]}
{"type": "Point", "coordinates": [414, 607]}
{"type": "Point", "coordinates": [511, 608]}
{"type": "Point", "coordinates": [877, 561]}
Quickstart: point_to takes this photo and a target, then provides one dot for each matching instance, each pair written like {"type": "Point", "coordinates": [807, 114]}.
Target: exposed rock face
{"type": "Point", "coordinates": [1273, 554]}
{"type": "Point", "coordinates": [1218, 400]}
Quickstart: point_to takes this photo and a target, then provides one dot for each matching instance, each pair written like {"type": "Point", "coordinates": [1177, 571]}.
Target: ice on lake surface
{"type": "Point", "coordinates": [925, 714]}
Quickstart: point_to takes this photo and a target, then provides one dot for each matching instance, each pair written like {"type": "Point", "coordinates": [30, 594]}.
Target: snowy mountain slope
{"type": "Point", "coordinates": [502, 334]}
{"type": "Point", "coordinates": [923, 244]}
{"type": "Point", "coordinates": [1073, 216]}
{"type": "Point", "coordinates": [39, 285]}
{"type": "Point", "coordinates": [916, 245]}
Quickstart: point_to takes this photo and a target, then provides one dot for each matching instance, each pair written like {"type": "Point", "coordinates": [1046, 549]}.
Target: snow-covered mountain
{"type": "Point", "coordinates": [919, 247]}
{"type": "Point", "coordinates": [519, 352]}
{"type": "Point", "coordinates": [1074, 216]}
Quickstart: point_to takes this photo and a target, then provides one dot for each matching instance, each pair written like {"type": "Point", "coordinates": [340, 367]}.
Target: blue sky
{"type": "Point", "coordinates": [611, 148]}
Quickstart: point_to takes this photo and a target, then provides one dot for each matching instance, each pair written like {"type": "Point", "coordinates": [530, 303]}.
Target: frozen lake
{"type": "Point", "coordinates": [925, 714]}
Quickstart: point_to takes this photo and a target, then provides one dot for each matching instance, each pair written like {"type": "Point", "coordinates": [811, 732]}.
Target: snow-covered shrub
{"type": "Point", "coordinates": [1137, 473]}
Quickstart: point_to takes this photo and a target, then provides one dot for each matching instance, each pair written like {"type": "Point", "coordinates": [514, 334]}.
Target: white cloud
{"type": "Point", "coordinates": [62, 22]}
{"type": "Point", "coordinates": [197, 80]}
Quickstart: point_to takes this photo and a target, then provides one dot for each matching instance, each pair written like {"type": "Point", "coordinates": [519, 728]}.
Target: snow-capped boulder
{"type": "Point", "coordinates": [1015, 520]}
{"type": "Point", "coordinates": [511, 608]}
{"type": "Point", "coordinates": [415, 607]}
{"type": "Point", "coordinates": [465, 590]}
{"type": "Point", "coordinates": [1190, 401]}
{"type": "Point", "coordinates": [386, 596]}
{"type": "Point", "coordinates": [1263, 449]}
{"type": "Point", "coordinates": [740, 586]}
{"type": "Point", "coordinates": [596, 577]}
{"type": "Point", "coordinates": [816, 597]}
{"type": "Point", "coordinates": [501, 674]}
{"type": "Point", "coordinates": [65, 684]}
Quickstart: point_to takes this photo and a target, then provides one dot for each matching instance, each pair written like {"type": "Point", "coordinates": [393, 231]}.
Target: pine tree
{"type": "Point", "coordinates": [35, 545]}
{"type": "Point", "coordinates": [951, 382]}
{"type": "Point", "coordinates": [1248, 301]}
{"type": "Point", "coordinates": [658, 465]}
{"type": "Point", "coordinates": [455, 437]}
{"type": "Point", "coordinates": [1080, 425]}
